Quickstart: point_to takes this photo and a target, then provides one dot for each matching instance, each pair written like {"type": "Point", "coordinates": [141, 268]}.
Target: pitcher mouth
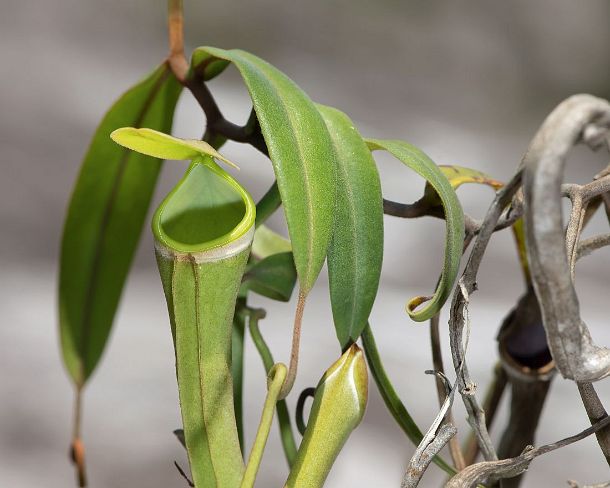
{"type": "Point", "coordinates": [206, 210]}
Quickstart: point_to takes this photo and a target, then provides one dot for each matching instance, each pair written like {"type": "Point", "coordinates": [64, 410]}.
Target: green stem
{"type": "Point", "coordinates": [391, 398]}
{"type": "Point", "coordinates": [237, 367]}
{"type": "Point", "coordinates": [268, 204]}
{"type": "Point", "coordinates": [287, 437]}
{"type": "Point", "coordinates": [276, 379]}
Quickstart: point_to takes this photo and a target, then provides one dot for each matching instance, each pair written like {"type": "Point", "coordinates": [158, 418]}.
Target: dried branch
{"type": "Point", "coordinates": [491, 402]}
{"type": "Point", "coordinates": [579, 118]}
{"type": "Point", "coordinates": [424, 454]}
{"type": "Point", "coordinates": [458, 320]}
{"type": "Point", "coordinates": [595, 411]}
{"type": "Point", "coordinates": [587, 246]}
{"type": "Point", "coordinates": [492, 471]}
{"type": "Point", "coordinates": [575, 484]}
{"type": "Point", "coordinates": [437, 361]}
{"type": "Point", "coordinates": [422, 208]}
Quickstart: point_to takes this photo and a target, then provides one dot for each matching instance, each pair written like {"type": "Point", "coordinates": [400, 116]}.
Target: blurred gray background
{"type": "Point", "coordinates": [468, 82]}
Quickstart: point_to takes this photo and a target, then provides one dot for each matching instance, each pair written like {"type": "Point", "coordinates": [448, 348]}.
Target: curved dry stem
{"type": "Point", "coordinates": [579, 118]}
{"type": "Point", "coordinates": [437, 360]}
{"type": "Point", "coordinates": [591, 244]}
{"type": "Point", "coordinates": [490, 471]}
{"type": "Point", "coordinates": [459, 320]}
{"type": "Point", "coordinates": [423, 456]}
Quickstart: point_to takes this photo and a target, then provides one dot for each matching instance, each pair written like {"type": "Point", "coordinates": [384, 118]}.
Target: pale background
{"type": "Point", "coordinates": [468, 82]}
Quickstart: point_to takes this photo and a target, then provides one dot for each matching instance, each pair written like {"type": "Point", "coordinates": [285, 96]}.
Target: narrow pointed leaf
{"type": "Point", "coordinates": [418, 161]}
{"type": "Point", "coordinates": [104, 222]}
{"type": "Point", "coordinates": [160, 145]}
{"type": "Point", "coordinates": [273, 277]}
{"type": "Point", "coordinates": [338, 407]}
{"type": "Point", "coordinates": [301, 153]}
{"type": "Point", "coordinates": [203, 232]}
{"type": "Point", "coordinates": [356, 250]}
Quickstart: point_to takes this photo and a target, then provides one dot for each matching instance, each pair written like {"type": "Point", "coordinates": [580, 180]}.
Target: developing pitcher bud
{"type": "Point", "coordinates": [338, 407]}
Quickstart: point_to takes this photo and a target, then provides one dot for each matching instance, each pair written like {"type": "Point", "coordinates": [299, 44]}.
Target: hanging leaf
{"type": "Point", "coordinates": [273, 277]}
{"type": "Point", "coordinates": [300, 150]}
{"type": "Point", "coordinates": [356, 250]}
{"type": "Point", "coordinates": [104, 221]}
{"type": "Point", "coordinates": [418, 161]}
{"type": "Point", "coordinates": [203, 232]}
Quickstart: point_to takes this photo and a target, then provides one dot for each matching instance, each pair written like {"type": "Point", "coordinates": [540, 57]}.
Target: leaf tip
{"type": "Point", "coordinates": [422, 315]}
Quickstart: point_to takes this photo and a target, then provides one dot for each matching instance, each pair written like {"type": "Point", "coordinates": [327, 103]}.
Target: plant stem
{"type": "Point", "coordinates": [276, 379]}
{"type": "Point", "coordinates": [77, 450]}
{"type": "Point", "coordinates": [423, 456]}
{"type": "Point", "coordinates": [283, 417]}
{"type": "Point", "coordinates": [437, 361]}
{"type": "Point", "coordinates": [294, 352]}
{"type": "Point", "coordinates": [177, 59]}
{"type": "Point", "coordinates": [268, 204]}
{"type": "Point", "coordinates": [490, 405]}
{"type": "Point", "coordinates": [596, 411]}
{"type": "Point", "coordinates": [237, 367]}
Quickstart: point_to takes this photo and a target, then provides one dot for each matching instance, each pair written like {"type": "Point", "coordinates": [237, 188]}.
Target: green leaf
{"type": "Point", "coordinates": [203, 231]}
{"type": "Point", "coordinates": [163, 146]}
{"type": "Point", "coordinates": [104, 222]}
{"type": "Point", "coordinates": [458, 176]}
{"type": "Point", "coordinates": [267, 242]}
{"type": "Point", "coordinates": [418, 161]}
{"type": "Point", "coordinates": [300, 150]}
{"type": "Point", "coordinates": [268, 204]}
{"type": "Point", "coordinates": [356, 250]}
{"type": "Point", "coordinates": [273, 277]}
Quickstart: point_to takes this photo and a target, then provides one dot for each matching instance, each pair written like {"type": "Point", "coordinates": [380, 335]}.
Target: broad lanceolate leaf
{"type": "Point", "coordinates": [104, 221]}
{"type": "Point", "coordinates": [273, 277]}
{"type": "Point", "coordinates": [160, 145]}
{"type": "Point", "coordinates": [300, 149]}
{"type": "Point", "coordinates": [338, 407]}
{"type": "Point", "coordinates": [203, 232]}
{"type": "Point", "coordinates": [418, 161]}
{"type": "Point", "coordinates": [356, 250]}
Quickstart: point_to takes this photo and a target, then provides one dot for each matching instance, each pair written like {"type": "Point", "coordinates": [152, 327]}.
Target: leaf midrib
{"type": "Point", "coordinates": [93, 281]}
{"type": "Point", "coordinates": [306, 175]}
